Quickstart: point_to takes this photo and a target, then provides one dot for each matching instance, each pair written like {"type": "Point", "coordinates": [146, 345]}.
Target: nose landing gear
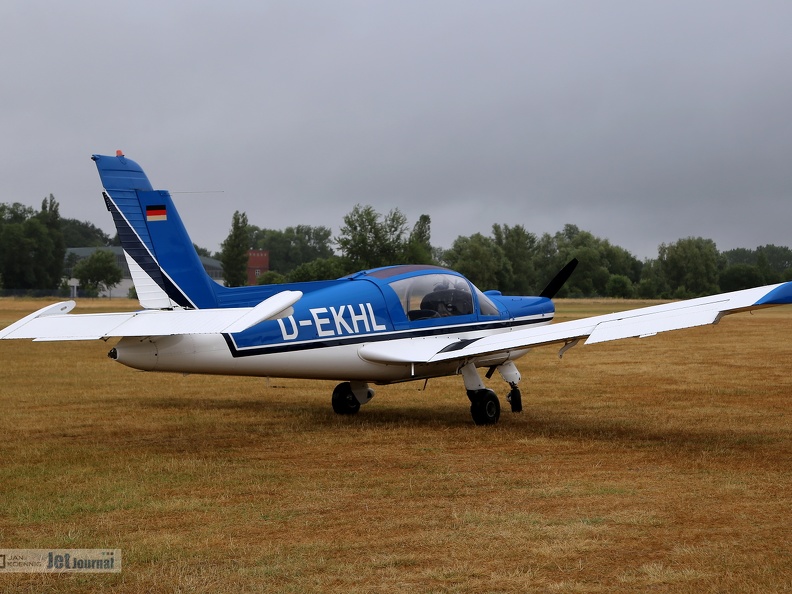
{"type": "Point", "coordinates": [484, 403]}
{"type": "Point", "coordinates": [515, 399]}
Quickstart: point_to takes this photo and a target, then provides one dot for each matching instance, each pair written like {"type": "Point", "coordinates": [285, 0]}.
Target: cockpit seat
{"type": "Point", "coordinates": [449, 302]}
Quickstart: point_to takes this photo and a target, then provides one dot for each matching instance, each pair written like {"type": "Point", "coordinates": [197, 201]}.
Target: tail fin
{"type": "Point", "coordinates": [165, 268]}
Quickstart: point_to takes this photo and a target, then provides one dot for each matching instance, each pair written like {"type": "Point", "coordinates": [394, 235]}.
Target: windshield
{"type": "Point", "coordinates": [488, 308]}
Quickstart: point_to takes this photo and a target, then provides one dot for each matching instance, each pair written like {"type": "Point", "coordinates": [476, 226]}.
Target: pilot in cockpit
{"type": "Point", "coordinates": [448, 301]}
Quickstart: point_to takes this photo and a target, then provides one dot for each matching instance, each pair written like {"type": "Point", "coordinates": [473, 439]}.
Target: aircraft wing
{"type": "Point", "coordinates": [54, 322]}
{"type": "Point", "coordinates": [642, 322]}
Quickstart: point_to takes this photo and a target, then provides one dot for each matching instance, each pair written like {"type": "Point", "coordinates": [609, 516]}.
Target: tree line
{"type": "Point", "coordinates": [510, 258]}
{"type": "Point", "coordinates": [33, 251]}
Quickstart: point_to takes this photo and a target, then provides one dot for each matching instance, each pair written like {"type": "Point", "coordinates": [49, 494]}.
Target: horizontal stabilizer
{"type": "Point", "coordinates": [56, 309]}
{"type": "Point", "coordinates": [277, 306]}
{"type": "Point", "coordinates": [50, 323]}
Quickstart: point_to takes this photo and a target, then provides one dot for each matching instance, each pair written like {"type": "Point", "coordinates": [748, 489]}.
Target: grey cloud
{"type": "Point", "coordinates": [641, 122]}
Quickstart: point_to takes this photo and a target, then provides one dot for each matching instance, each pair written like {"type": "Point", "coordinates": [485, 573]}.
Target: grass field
{"type": "Point", "coordinates": [662, 464]}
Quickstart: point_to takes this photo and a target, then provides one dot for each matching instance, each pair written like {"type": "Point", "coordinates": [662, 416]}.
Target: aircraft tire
{"type": "Point", "coordinates": [344, 401]}
{"type": "Point", "coordinates": [485, 407]}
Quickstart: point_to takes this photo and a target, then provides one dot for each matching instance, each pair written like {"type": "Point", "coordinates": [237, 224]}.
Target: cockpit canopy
{"type": "Point", "coordinates": [439, 295]}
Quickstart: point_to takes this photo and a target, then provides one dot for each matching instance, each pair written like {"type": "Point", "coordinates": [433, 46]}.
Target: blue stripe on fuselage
{"type": "Point", "coordinates": [285, 347]}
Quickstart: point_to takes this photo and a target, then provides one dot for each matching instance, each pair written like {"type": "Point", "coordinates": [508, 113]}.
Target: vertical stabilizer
{"type": "Point", "coordinates": [165, 268]}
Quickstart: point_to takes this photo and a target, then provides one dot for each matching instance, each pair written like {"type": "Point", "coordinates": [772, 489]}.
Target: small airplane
{"type": "Point", "coordinates": [380, 326]}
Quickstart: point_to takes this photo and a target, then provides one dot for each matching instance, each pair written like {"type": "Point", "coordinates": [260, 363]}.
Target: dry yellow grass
{"type": "Point", "coordinates": [663, 464]}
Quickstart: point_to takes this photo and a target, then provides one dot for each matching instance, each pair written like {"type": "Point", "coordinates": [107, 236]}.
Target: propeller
{"type": "Point", "coordinates": [554, 286]}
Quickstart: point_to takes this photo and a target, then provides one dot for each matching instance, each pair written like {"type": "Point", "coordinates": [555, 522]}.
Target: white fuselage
{"type": "Point", "coordinates": [210, 354]}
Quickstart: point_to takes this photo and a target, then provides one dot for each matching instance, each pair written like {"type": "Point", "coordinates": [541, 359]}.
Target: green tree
{"type": "Point", "coordinates": [621, 262]}
{"type": "Point", "coordinates": [519, 247]}
{"type": "Point", "coordinates": [769, 274]}
{"type": "Point", "coordinates": [319, 269]}
{"type": "Point", "coordinates": [480, 259]}
{"type": "Point", "coordinates": [17, 257]}
{"type": "Point", "coordinates": [741, 276]}
{"type": "Point", "coordinates": [31, 246]}
{"type": "Point", "coordinates": [524, 264]}
{"type": "Point", "coordinates": [83, 234]}
{"type": "Point", "coordinates": [98, 272]}
{"type": "Point", "coordinates": [369, 240]}
{"type": "Point", "coordinates": [271, 278]}
{"type": "Point", "coordinates": [739, 256]}
{"type": "Point", "coordinates": [419, 246]}
{"type": "Point", "coordinates": [234, 251]}
{"type": "Point", "coordinates": [652, 284]}
{"type": "Point", "coordinates": [26, 252]}
{"type": "Point", "coordinates": [547, 261]}
{"type": "Point", "coordinates": [201, 251]}
{"type": "Point", "coordinates": [15, 213]}
{"type": "Point", "coordinates": [777, 258]}
{"type": "Point", "coordinates": [293, 246]}
{"type": "Point", "coordinates": [619, 286]}
{"type": "Point", "coordinates": [690, 266]}
{"type": "Point", "coordinates": [597, 261]}
{"type": "Point", "coordinates": [591, 275]}
{"type": "Point", "coordinates": [53, 251]}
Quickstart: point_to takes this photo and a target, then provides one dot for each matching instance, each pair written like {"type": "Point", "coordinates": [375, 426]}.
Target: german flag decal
{"type": "Point", "coordinates": [156, 213]}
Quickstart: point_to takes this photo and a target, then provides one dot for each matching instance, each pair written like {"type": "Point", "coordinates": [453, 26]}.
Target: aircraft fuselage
{"type": "Point", "coordinates": [323, 335]}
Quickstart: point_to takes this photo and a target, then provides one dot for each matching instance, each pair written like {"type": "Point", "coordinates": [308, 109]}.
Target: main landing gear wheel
{"type": "Point", "coordinates": [484, 407]}
{"type": "Point", "coordinates": [344, 401]}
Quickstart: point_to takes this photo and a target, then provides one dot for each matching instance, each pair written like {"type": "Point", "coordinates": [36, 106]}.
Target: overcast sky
{"type": "Point", "coordinates": [642, 122]}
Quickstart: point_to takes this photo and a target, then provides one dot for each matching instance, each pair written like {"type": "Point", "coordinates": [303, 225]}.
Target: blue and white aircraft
{"type": "Point", "coordinates": [392, 324]}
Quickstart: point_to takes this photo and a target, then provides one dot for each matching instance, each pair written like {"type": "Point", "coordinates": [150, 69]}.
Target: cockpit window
{"type": "Point", "coordinates": [434, 296]}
